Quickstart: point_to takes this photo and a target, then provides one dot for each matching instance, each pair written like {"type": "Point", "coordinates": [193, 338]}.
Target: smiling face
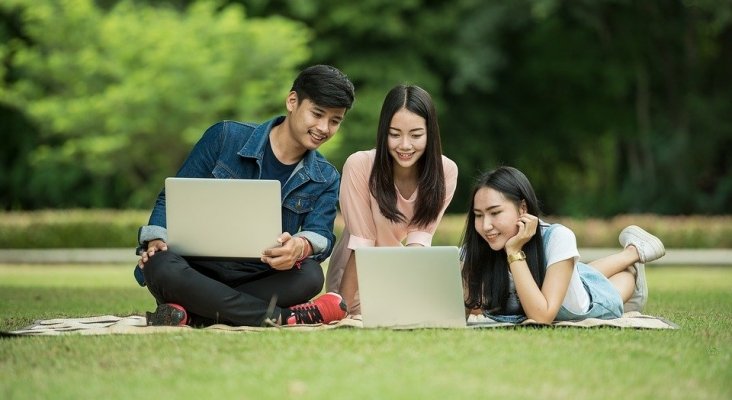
{"type": "Point", "coordinates": [495, 217]}
{"type": "Point", "coordinates": [310, 124]}
{"type": "Point", "coordinates": [407, 138]}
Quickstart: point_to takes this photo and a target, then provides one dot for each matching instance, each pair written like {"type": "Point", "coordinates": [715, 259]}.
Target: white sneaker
{"type": "Point", "coordinates": [649, 247]}
{"type": "Point", "coordinates": [639, 298]}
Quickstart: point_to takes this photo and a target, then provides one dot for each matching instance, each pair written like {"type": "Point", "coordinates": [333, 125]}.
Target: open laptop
{"type": "Point", "coordinates": [222, 218]}
{"type": "Point", "coordinates": [410, 287]}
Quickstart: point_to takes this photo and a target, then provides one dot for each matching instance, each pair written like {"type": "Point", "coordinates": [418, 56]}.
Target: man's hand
{"type": "Point", "coordinates": [286, 255]}
{"type": "Point", "coordinates": [153, 246]}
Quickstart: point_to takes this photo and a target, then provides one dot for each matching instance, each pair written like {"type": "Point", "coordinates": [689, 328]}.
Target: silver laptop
{"type": "Point", "coordinates": [222, 218]}
{"type": "Point", "coordinates": [410, 287]}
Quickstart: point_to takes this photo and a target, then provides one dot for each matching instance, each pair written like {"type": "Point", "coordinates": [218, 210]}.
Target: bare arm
{"type": "Point", "coordinates": [542, 305]}
{"type": "Point", "coordinates": [349, 286]}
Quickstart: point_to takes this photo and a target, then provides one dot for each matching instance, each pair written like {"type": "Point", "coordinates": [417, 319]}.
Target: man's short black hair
{"type": "Point", "coordinates": [325, 86]}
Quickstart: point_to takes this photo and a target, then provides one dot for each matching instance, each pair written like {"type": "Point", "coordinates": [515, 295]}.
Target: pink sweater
{"type": "Point", "coordinates": [365, 226]}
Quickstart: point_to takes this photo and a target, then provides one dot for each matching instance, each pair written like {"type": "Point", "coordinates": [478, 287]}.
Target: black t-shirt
{"type": "Point", "coordinates": [272, 168]}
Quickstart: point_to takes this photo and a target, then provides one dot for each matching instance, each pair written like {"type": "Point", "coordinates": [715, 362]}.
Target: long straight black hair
{"type": "Point", "coordinates": [431, 185]}
{"type": "Point", "coordinates": [485, 271]}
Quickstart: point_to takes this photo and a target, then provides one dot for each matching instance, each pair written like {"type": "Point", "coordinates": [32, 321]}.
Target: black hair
{"type": "Point", "coordinates": [325, 86]}
{"type": "Point", "coordinates": [431, 184]}
{"type": "Point", "coordinates": [485, 271]}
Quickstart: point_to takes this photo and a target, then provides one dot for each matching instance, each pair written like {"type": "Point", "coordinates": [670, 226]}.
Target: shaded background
{"type": "Point", "coordinates": [609, 106]}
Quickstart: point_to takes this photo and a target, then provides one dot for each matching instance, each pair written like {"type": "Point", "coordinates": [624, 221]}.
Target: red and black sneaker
{"type": "Point", "coordinates": [168, 314]}
{"type": "Point", "coordinates": [323, 310]}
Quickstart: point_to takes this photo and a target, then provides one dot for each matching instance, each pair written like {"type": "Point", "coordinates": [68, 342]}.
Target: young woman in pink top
{"type": "Point", "coordinates": [395, 194]}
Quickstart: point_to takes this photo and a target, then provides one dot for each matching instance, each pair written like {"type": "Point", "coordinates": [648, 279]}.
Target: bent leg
{"type": "Point", "coordinates": [171, 279]}
{"type": "Point", "coordinates": [617, 269]}
{"type": "Point", "coordinates": [624, 283]}
{"type": "Point", "coordinates": [289, 287]}
{"type": "Point", "coordinates": [616, 263]}
{"type": "Point", "coordinates": [626, 270]}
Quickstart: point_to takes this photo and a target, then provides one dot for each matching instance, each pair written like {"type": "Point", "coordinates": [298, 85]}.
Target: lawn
{"type": "Point", "coordinates": [692, 362]}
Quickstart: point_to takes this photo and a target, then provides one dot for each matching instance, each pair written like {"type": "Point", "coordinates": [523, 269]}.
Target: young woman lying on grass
{"type": "Point", "coordinates": [516, 266]}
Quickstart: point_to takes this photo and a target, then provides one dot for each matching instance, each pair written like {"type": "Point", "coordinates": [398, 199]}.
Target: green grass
{"type": "Point", "coordinates": [692, 362]}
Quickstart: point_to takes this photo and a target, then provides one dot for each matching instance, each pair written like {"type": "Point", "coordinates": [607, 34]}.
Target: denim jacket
{"type": "Point", "coordinates": [234, 150]}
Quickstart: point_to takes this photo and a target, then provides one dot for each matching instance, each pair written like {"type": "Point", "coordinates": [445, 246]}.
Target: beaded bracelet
{"type": "Point", "coordinates": [305, 252]}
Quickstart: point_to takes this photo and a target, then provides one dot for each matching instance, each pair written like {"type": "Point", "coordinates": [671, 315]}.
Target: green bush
{"type": "Point", "coordinates": [70, 229]}
{"type": "Point", "coordinates": [112, 228]}
{"type": "Point", "coordinates": [674, 231]}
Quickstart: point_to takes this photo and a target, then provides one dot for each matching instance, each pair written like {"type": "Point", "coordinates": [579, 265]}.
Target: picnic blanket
{"type": "Point", "coordinates": [135, 324]}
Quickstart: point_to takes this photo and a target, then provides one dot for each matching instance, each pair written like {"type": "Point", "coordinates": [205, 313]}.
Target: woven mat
{"type": "Point", "coordinates": [633, 319]}
{"type": "Point", "coordinates": [134, 324]}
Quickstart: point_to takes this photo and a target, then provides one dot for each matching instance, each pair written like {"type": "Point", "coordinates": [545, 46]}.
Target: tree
{"type": "Point", "coordinates": [610, 106]}
{"type": "Point", "coordinates": [120, 96]}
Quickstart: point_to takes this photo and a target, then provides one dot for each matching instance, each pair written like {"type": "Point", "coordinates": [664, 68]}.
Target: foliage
{"type": "Point", "coordinates": [96, 228]}
{"type": "Point", "coordinates": [609, 106]}
{"type": "Point", "coordinates": [691, 362]}
{"type": "Point", "coordinates": [378, 44]}
{"type": "Point", "coordinates": [117, 229]}
{"type": "Point", "coordinates": [119, 96]}
{"type": "Point", "coordinates": [676, 232]}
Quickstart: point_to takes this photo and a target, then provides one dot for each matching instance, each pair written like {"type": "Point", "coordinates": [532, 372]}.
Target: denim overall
{"type": "Point", "coordinates": [605, 300]}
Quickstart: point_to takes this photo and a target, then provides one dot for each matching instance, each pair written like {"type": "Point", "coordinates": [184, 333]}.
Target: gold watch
{"type": "Point", "coordinates": [516, 257]}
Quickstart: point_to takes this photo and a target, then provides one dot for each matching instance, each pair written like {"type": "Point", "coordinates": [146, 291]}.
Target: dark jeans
{"type": "Point", "coordinates": [230, 292]}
